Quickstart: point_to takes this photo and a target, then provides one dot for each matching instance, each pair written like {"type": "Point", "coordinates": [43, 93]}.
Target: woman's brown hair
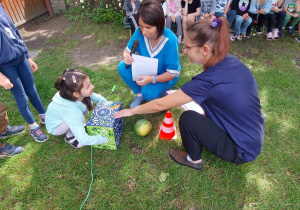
{"type": "Point", "coordinates": [201, 32]}
{"type": "Point", "coordinates": [152, 14]}
{"type": "Point", "coordinates": [72, 81]}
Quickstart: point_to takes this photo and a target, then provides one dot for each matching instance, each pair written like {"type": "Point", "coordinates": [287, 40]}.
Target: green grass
{"type": "Point", "coordinates": [56, 176]}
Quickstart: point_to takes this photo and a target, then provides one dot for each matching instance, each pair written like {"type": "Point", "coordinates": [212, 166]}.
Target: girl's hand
{"type": "Point", "coordinates": [5, 82]}
{"type": "Point", "coordinates": [296, 15]}
{"type": "Point", "coordinates": [127, 58]}
{"type": "Point", "coordinates": [173, 19]}
{"type": "Point", "coordinates": [144, 80]}
{"type": "Point", "coordinates": [32, 65]}
{"type": "Point", "coordinates": [124, 113]}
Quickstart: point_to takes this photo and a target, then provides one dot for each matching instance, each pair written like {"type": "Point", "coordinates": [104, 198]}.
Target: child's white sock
{"type": "Point", "coordinates": [42, 116]}
{"type": "Point", "coordinates": [33, 126]}
{"type": "Point", "coordinates": [139, 95]}
{"type": "Point", "coordinates": [191, 161]}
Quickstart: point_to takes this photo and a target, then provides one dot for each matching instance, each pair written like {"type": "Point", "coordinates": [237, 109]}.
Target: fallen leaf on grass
{"type": "Point", "coordinates": [163, 176]}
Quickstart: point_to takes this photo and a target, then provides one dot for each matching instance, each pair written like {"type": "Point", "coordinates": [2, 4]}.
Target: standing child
{"type": "Point", "coordinates": [65, 114]}
{"type": "Point", "coordinates": [16, 65]}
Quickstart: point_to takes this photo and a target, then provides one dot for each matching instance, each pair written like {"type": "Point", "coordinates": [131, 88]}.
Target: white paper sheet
{"type": "Point", "coordinates": [143, 66]}
{"type": "Point", "coordinates": [191, 105]}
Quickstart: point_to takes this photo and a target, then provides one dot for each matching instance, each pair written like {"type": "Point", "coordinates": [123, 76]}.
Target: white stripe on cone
{"type": "Point", "coordinates": [167, 130]}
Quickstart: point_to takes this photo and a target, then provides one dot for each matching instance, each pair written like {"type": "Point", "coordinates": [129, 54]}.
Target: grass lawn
{"type": "Point", "coordinates": [55, 176]}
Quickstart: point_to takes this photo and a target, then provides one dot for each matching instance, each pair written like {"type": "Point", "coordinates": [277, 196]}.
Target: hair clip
{"type": "Point", "coordinates": [216, 22]}
{"type": "Point", "coordinates": [74, 78]}
{"type": "Point", "coordinates": [64, 78]}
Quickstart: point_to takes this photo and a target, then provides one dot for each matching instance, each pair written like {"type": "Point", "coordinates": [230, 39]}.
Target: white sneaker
{"type": "Point", "coordinates": [232, 36]}
{"type": "Point", "coordinates": [239, 37]}
{"type": "Point", "coordinates": [270, 36]}
{"type": "Point", "coordinates": [275, 33]}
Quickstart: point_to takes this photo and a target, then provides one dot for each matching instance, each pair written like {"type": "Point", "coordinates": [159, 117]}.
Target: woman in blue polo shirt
{"type": "Point", "coordinates": [233, 125]}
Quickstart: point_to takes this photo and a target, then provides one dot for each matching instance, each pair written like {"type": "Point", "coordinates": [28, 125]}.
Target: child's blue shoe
{"type": "Point", "coordinates": [38, 134]}
{"type": "Point", "coordinates": [136, 101]}
{"type": "Point", "coordinates": [12, 131]}
{"type": "Point", "coordinates": [7, 150]}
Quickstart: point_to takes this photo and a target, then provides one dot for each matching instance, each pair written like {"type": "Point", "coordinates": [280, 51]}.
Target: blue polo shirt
{"type": "Point", "coordinates": [228, 94]}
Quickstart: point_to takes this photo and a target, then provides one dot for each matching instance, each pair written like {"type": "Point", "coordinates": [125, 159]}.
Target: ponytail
{"type": "Point", "coordinates": [214, 33]}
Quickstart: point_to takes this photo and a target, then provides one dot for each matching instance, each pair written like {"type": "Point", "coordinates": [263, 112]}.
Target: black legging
{"type": "Point", "coordinates": [261, 19]}
{"type": "Point", "coordinates": [276, 16]}
{"type": "Point", "coordinates": [197, 131]}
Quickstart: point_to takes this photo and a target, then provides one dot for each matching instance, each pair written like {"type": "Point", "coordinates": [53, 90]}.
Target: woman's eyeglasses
{"type": "Point", "coordinates": [185, 47]}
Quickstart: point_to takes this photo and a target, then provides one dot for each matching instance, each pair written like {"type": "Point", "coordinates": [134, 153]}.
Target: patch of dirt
{"type": "Point", "coordinates": [86, 54]}
{"type": "Point", "coordinates": [35, 37]}
{"type": "Point", "coordinates": [89, 55]}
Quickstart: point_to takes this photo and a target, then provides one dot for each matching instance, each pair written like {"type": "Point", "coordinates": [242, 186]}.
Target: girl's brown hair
{"type": "Point", "coordinates": [201, 32]}
{"type": "Point", "coordinates": [72, 81]}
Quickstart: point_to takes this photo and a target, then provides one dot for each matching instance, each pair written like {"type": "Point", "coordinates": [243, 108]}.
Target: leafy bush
{"type": "Point", "coordinates": [101, 13]}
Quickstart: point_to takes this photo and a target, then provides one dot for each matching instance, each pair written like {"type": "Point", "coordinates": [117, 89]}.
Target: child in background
{"type": "Point", "coordinates": [278, 14]}
{"type": "Point", "coordinates": [242, 20]}
{"type": "Point", "coordinates": [222, 9]}
{"type": "Point", "coordinates": [190, 10]}
{"type": "Point", "coordinates": [173, 9]}
{"type": "Point", "coordinates": [17, 66]}
{"type": "Point", "coordinates": [131, 7]}
{"type": "Point", "coordinates": [292, 8]}
{"type": "Point", "coordinates": [65, 114]}
{"type": "Point", "coordinates": [258, 11]}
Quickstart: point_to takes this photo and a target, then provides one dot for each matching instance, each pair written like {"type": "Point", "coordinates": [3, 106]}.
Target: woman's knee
{"type": "Point", "coordinates": [122, 68]}
{"type": "Point", "coordinates": [149, 94]}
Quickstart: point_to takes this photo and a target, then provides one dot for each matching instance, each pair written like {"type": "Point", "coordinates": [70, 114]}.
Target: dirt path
{"type": "Point", "coordinates": [85, 54]}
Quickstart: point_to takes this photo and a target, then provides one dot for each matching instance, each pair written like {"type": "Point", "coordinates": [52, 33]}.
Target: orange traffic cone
{"type": "Point", "coordinates": [167, 130]}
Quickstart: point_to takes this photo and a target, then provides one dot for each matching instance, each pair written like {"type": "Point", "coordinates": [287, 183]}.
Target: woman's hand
{"type": "Point", "coordinates": [144, 80]}
{"type": "Point", "coordinates": [32, 65]}
{"type": "Point", "coordinates": [124, 113]}
{"type": "Point", "coordinates": [173, 19]}
{"type": "Point", "coordinates": [5, 82]}
{"type": "Point", "coordinates": [127, 58]}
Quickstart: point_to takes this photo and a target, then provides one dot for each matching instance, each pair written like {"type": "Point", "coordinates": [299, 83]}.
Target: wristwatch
{"type": "Point", "coordinates": [154, 80]}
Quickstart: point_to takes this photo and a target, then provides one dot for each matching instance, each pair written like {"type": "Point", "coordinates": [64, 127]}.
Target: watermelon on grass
{"type": "Point", "coordinates": [143, 127]}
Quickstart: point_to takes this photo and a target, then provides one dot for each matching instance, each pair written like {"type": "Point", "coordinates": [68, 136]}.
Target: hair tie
{"type": "Point", "coordinates": [74, 78]}
{"type": "Point", "coordinates": [216, 22]}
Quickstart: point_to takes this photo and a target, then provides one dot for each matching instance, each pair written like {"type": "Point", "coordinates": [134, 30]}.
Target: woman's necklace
{"type": "Point", "coordinates": [153, 44]}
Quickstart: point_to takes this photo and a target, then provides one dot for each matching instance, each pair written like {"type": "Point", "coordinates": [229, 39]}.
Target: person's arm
{"type": "Point", "coordinates": [32, 65]}
{"type": "Point", "coordinates": [291, 14]}
{"type": "Point", "coordinates": [144, 80]}
{"type": "Point", "coordinates": [227, 8]}
{"type": "Point", "coordinates": [97, 97]}
{"type": "Point", "coordinates": [75, 123]}
{"type": "Point", "coordinates": [5, 82]}
{"type": "Point", "coordinates": [185, 8]}
{"type": "Point", "coordinates": [298, 8]}
{"type": "Point", "coordinates": [173, 100]}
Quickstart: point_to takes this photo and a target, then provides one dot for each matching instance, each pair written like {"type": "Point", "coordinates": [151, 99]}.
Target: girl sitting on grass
{"type": "Point", "coordinates": [65, 114]}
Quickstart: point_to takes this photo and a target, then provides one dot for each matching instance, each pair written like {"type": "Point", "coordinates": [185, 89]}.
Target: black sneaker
{"type": "Point", "coordinates": [7, 150]}
{"type": "Point", "coordinates": [258, 31]}
{"type": "Point", "coordinates": [292, 31]}
{"type": "Point", "coordinates": [38, 134]}
{"type": "Point", "coordinates": [73, 142]}
{"type": "Point", "coordinates": [12, 131]}
{"type": "Point", "coordinates": [281, 32]}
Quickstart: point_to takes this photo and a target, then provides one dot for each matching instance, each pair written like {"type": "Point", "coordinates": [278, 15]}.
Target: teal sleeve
{"type": "Point", "coordinates": [76, 124]}
{"type": "Point", "coordinates": [97, 97]}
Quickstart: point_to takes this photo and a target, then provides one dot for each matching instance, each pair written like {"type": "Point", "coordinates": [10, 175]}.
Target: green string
{"type": "Point", "coordinates": [92, 175]}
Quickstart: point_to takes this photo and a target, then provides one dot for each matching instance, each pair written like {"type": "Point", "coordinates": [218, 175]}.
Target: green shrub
{"type": "Point", "coordinates": [102, 13]}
